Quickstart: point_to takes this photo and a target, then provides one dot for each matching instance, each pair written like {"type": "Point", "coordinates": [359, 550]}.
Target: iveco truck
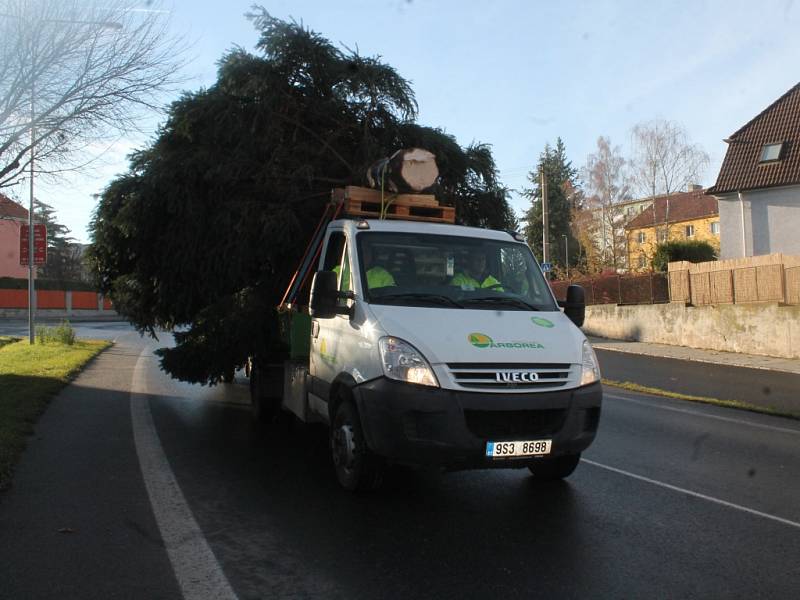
{"type": "Point", "coordinates": [428, 343]}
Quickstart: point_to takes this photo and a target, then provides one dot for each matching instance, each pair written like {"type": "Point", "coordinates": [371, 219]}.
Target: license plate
{"type": "Point", "coordinates": [524, 448]}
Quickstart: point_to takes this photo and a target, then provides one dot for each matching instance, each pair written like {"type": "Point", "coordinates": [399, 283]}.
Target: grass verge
{"type": "Point", "coordinates": [4, 340]}
{"type": "Point", "coordinates": [29, 377]}
{"type": "Point", "coordinates": [635, 387]}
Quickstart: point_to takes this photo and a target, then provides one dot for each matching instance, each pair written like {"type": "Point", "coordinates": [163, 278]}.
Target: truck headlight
{"type": "Point", "coordinates": [590, 371]}
{"type": "Point", "coordinates": [403, 362]}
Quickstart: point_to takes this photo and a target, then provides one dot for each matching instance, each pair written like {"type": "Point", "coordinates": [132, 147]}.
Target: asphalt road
{"type": "Point", "coordinates": [771, 389]}
{"type": "Point", "coordinates": [674, 500]}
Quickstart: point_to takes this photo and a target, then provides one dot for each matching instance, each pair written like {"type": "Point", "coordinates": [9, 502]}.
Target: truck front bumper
{"type": "Point", "coordinates": [432, 426]}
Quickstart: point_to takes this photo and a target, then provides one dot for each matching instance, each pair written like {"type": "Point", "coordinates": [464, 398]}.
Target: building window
{"type": "Point", "coordinates": [642, 261]}
{"type": "Point", "coordinates": [771, 152]}
{"type": "Point", "coordinates": [715, 227]}
{"type": "Point", "coordinates": [689, 231]}
{"type": "Point", "coordinates": [642, 237]}
{"type": "Point", "coordinates": [662, 235]}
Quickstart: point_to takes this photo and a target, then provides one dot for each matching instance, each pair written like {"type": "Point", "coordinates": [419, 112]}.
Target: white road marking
{"type": "Point", "coordinates": [703, 414]}
{"type": "Point", "coordinates": [681, 490]}
{"type": "Point", "coordinates": [196, 568]}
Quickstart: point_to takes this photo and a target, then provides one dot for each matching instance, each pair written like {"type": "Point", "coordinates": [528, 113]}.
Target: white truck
{"type": "Point", "coordinates": [436, 344]}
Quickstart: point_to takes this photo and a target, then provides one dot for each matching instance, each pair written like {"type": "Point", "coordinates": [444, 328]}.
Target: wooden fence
{"type": "Point", "coordinates": [770, 278]}
{"type": "Point", "coordinates": [649, 288]}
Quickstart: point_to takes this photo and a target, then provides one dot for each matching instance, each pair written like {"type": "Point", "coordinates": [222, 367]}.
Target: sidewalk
{"type": "Point", "coordinates": [733, 359]}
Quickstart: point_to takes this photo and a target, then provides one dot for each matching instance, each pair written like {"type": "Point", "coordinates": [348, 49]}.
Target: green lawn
{"type": "Point", "coordinates": [29, 377]}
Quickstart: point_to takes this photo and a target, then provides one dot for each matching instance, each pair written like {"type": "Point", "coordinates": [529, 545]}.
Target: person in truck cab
{"type": "Point", "coordinates": [473, 274]}
{"type": "Point", "coordinates": [377, 276]}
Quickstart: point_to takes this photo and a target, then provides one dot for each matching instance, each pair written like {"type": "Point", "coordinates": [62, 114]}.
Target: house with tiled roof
{"type": "Point", "coordinates": [12, 216]}
{"type": "Point", "coordinates": [691, 215]}
{"type": "Point", "coordinates": [758, 187]}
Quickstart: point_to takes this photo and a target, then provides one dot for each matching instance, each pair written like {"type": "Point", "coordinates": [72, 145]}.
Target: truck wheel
{"type": "Point", "coordinates": [357, 468]}
{"type": "Point", "coordinates": [264, 408]}
{"type": "Point", "coordinates": [553, 469]}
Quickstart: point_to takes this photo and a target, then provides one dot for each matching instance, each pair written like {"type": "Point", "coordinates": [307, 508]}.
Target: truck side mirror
{"type": "Point", "coordinates": [575, 306]}
{"type": "Point", "coordinates": [322, 304]}
{"type": "Point", "coordinates": [324, 301]}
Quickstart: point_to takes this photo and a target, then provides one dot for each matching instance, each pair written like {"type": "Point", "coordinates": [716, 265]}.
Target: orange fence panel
{"type": "Point", "coordinates": [51, 299]}
{"type": "Point", "coordinates": [84, 300]}
{"type": "Point", "coordinates": [107, 304]}
{"type": "Point", "coordinates": [13, 298]}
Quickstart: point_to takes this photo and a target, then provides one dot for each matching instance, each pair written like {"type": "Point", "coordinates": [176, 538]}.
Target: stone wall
{"type": "Point", "coordinates": [768, 329]}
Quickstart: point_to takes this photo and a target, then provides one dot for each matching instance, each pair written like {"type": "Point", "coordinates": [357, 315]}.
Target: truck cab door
{"type": "Point", "coordinates": [324, 360]}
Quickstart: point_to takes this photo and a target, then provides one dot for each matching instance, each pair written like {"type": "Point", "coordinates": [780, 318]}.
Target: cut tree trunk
{"type": "Point", "coordinates": [408, 170]}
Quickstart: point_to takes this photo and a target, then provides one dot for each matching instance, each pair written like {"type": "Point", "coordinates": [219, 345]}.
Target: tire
{"type": "Point", "coordinates": [553, 469]}
{"type": "Point", "coordinates": [265, 409]}
{"type": "Point", "coordinates": [357, 468]}
{"type": "Point", "coordinates": [228, 376]}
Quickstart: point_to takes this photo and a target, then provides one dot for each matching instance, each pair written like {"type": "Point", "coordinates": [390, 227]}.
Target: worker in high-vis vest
{"type": "Point", "coordinates": [377, 276]}
{"type": "Point", "coordinates": [473, 274]}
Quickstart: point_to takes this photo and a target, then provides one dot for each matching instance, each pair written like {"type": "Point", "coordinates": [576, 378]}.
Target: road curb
{"type": "Point", "coordinates": [636, 388]}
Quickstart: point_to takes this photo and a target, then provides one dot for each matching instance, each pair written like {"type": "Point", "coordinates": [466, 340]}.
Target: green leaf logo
{"type": "Point", "coordinates": [542, 322]}
{"type": "Point", "coordinates": [479, 340]}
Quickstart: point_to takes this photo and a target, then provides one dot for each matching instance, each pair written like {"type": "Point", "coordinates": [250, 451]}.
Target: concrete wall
{"type": "Point", "coordinates": [771, 222]}
{"type": "Point", "coordinates": [767, 329]}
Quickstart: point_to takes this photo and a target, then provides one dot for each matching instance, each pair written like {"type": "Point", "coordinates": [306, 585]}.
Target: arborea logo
{"type": "Point", "coordinates": [479, 340]}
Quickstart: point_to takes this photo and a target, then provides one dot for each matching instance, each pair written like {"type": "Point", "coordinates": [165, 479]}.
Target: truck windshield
{"type": "Point", "coordinates": [443, 271]}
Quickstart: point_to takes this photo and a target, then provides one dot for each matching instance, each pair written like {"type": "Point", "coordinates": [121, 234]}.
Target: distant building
{"type": "Point", "coordinates": [758, 186]}
{"type": "Point", "coordinates": [689, 215]}
{"type": "Point", "coordinates": [609, 227]}
{"type": "Point", "coordinates": [12, 217]}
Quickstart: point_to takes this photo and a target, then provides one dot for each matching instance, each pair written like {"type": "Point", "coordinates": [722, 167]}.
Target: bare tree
{"type": "Point", "coordinates": [665, 161]}
{"type": "Point", "coordinates": [76, 71]}
{"type": "Point", "coordinates": [608, 184]}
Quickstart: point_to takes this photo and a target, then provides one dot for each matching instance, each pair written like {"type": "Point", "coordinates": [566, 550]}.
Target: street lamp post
{"type": "Point", "coordinates": [31, 295]}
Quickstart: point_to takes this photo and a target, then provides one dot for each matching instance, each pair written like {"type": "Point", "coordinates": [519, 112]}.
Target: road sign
{"type": "Point", "coordinates": [547, 267]}
{"type": "Point", "coordinates": [39, 245]}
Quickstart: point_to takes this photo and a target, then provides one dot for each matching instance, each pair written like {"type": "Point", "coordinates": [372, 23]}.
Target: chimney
{"type": "Point", "coordinates": [693, 187]}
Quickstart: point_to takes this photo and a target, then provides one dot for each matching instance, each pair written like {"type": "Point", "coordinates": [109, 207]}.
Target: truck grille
{"type": "Point", "coordinates": [514, 424]}
{"type": "Point", "coordinates": [517, 376]}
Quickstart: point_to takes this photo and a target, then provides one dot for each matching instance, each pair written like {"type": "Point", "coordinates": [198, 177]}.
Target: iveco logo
{"type": "Point", "coordinates": [516, 376]}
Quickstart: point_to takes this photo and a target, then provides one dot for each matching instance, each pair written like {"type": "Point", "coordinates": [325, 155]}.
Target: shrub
{"type": "Point", "coordinates": [63, 333]}
{"type": "Point", "coordinates": [689, 250]}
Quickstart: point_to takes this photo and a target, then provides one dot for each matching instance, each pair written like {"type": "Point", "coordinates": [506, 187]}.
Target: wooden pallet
{"type": "Point", "coordinates": [366, 202]}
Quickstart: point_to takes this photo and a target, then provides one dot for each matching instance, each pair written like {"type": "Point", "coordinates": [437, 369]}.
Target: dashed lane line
{"type": "Point", "coordinates": [681, 490]}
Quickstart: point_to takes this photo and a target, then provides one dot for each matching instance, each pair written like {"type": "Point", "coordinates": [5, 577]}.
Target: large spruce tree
{"type": "Point", "coordinates": [562, 190]}
{"type": "Point", "coordinates": [205, 229]}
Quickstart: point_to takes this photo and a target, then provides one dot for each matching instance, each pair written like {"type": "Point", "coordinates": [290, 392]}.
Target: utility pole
{"type": "Point", "coordinates": [566, 252]}
{"type": "Point", "coordinates": [545, 223]}
{"type": "Point", "coordinates": [31, 268]}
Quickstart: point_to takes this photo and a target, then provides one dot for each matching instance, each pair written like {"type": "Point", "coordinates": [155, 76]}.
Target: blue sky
{"type": "Point", "coordinates": [517, 75]}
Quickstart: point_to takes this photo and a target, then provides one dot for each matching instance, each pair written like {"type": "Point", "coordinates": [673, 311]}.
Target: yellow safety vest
{"type": "Point", "coordinates": [466, 282]}
{"type": "Point", "coordinates": [377, 277]}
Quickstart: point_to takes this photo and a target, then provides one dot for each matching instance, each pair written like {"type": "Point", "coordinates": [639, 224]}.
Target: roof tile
{"type": "Point", "coordinates": [779, 122]}
{"type": "Point", "coordinates": [683, 206]}
{"type": "Point", "coordinates": [10, 209]}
